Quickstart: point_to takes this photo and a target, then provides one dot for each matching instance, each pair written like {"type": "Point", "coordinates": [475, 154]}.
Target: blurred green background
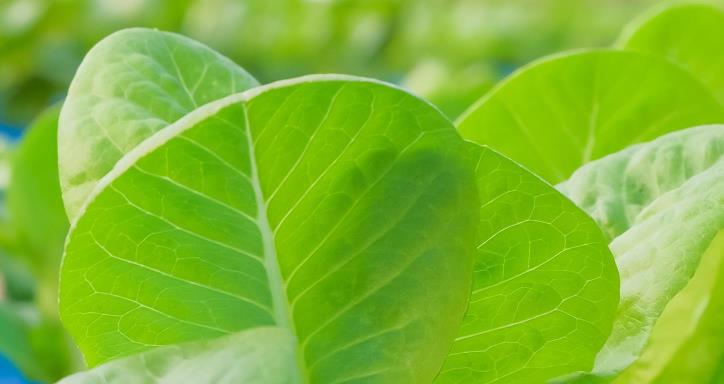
{"type": "Point", "coordinates": [449, 51]}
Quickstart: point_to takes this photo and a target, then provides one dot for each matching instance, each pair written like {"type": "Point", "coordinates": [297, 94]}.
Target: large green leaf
{"type": "Point", "coordinates": [130, 85]}
{"type": "Point", "coordinates": [337, 208]}
{"type": "Point", "coordinates": [663, 202]}
{"type": "Point", "coordinates": [545, 285]}
{"type": "Point", "coordinates": [690, 34]}
{"type": "Point", "coordinates": [564, 111]}
{"type": "Point", "coordinates": [256, 356]}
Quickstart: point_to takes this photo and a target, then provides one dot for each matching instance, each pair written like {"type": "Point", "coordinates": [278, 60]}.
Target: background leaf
{"type": "Point", "coordinates": [687, 341]}
{"type": "Point", "coordinates": [35, 207]}
{"type": "Point", "coordinates": [545, 286]}
{"type": "Point", "coordinates": [130, 85]}
{"type": "Point", "coordinates": [564, 111]}
{"type": "Point", "coordinates": [689, 34]}
{"type": "Point", "coordinates": [666, 200]}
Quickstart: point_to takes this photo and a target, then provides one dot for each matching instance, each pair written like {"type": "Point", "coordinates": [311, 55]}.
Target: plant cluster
{"type": "Point", "coordinates": [567, 228]}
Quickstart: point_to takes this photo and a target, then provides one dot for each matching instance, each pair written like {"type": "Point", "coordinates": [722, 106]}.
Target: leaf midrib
{"type": "Point", "coordinates": [281, 309]}
{"type": "Point", "coordinates": [280, 301]}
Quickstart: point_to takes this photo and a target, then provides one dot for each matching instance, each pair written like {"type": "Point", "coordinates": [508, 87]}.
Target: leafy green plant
{"type": "Point", "coordinates": [333, 215]}
{"type": "Point", "coordinates": [337, 210]}
{"type": "Point", "coordinates": [337, 229]}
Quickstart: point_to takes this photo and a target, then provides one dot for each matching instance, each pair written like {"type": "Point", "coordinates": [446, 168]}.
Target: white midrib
{"type": "Point", "coordinates": [280, 302]}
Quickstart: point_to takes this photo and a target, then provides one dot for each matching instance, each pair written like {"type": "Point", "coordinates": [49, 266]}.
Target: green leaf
{"type": "Point", "coordinates": [35, 206]}
{"type": "Point", "coordinates": [691, 35]}
{"type": "Point", "coordinates": [566, 110]}
{"type": "Point", "coordinates": [256, 356]}
{"type": "Point", "coordinates": [130, 85]}
{"type": "Point", "coordinates": [545, 285]}
{"type": "Point", "coordinates": [38, 346]}
{"type": "Point", "coordinates": [666, 200]}
{"type": "Point", "coordinates": [615, 191]}
{"type": "Point", "coordinates": [687, 342]}
{"type": "Point", "coordinates": [337, 208]}
{"type": "Point", "coordinates": [13, 335]}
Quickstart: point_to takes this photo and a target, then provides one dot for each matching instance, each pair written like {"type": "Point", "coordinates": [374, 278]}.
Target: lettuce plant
{"type": "Point", "coordinates": [330, 217]}
{"type": "Point", "coordinates": [660, 204]}
{"type": "Point", "coordinates": [337, 229]}
{"type": "Point", "coordinates": [322, 229]}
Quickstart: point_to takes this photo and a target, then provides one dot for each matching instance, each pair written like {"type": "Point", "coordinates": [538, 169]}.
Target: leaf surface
{"type": "Point", "coordinates": [561, 112]}
{"type": "Point", "coordinates": [545, 285]}
{"type": "Point", "coordinates": [691, 35]}
{"type": "Point", "coordinates": [687, 341]}
{"type": "Point", "coordinates": [129, 86]}
{"type": "Point", "coordinates": [337, 208]}
{"type": "Point", "coordinates": [663, 204]}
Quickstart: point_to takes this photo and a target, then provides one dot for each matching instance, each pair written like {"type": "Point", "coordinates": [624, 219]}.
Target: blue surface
{"type": "Point", "coordinates": [11, 133]}
{"type": "Point", "coordinates": [9, 374]}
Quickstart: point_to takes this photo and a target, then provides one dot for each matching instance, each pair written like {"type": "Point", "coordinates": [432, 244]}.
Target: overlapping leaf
{"type": "Point", "coordinates": [663, 204]}
{"type": "Point", "coordinates": [545, 287]}
{"type": "Point", "coordinates": [689, 34]}
{"type": "Point", "coordinates": [338, 209]}
{"type": "Point", "coordinates": [131, 85]}
{"type": "Point", "coordinates": [562, 112]}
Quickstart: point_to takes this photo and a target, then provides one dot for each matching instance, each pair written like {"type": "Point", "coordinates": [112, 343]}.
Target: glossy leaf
{"type": "Point", "coordinates": [337, 208]}
{"type": "Point", "coordinates": [689, 34]}
{"type": "Point", "coordinates": [666, 200]}
{"type": "Point", "coordinates": [129, 86]}
{"type": "Point", "coordinates": [545, 286]}
{"type": "Point", "coordinates": [564, 111]}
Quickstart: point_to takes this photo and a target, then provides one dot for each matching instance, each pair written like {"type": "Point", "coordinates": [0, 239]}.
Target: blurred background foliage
{"type": "Point", "coordinates": [449, 51]}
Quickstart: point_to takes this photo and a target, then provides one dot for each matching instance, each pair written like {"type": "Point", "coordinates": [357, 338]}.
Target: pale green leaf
{"type": "Point", "coordinates": [687, 341]}
{"type": "Point", "coordinates": [337, 208]}
{"type": "Point", "coordinates": [256, 356]}
{"type": "Point", "coordinates": [130, 85]}
{"type": "Point", "coordinates": [690, 34]}
{"type": "Point", "coordinates": [615, 191]}
{"type": "Point", "coordinates": [666, 200]}
{"type": "Point", "coordinates": [545, 285]}
{"type": "Point", "coordinates": [564, 111]}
